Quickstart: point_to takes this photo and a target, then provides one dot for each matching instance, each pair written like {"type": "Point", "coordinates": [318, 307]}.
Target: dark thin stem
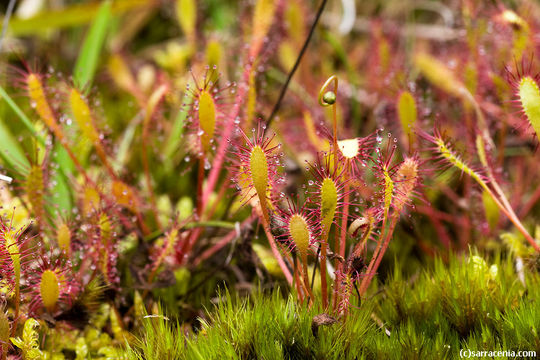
{"type": "Point", "coordinates": [309, 293]}
{"type": "Point", "coordinates": [315, 266]}
{"type": "Point", "coordinates": [296, 64]}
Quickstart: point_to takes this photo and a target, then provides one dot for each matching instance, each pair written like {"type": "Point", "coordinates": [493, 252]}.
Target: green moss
{"type": "Point", "coordinates": [465, 303]}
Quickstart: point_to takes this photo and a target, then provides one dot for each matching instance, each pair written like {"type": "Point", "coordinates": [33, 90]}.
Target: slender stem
{"type": "Point", "coordinates": [276, 252]}
{"type": "Point", "coordinates": [17, 301]}
{"type": "Point", "coordinates": [103, 157]}
{"type": "Point", "coordinates": [224, 241]}
{"type": "Point", "coordinates": [89, 181]}
{"type": "Point", "coordinates": [503, 204]}
{"type": "Point", "coordinates": [324, 289]}
{"type": "Point", "coordinates": [376, 260]}
{"type": "Point", "coordinates": [513, 217]}
{"type": "Point", "coordinates": [324, 237]}
{"type": "Point", "coordinates": [531, 202]}
{"type": "Point", "coordinates": [296, 64]}
{"type": "Point", "coordinates": [194, 236]}
{"type": "Point", "coordinates": [322, 101]}
{"type": "Point", "coordinates": [509, 212]}
{"type": "Point", "coordinates": [341, 241]}
{"type": "Point", "coordinates": [200, 181]}
{"type": "Point", "coordinates": [265, 218]}
{"type": "Point", "coordinates": [241, 95]}
{"type": "Point", "coordinates": [151, 279]}
{"type": "Point", "coordinates": [334, 113]}
{"type": "Point", "coordinates": [210, 223]}
{"type": "Point", "coordinates": [227, 131]}
{"type": "Point", "coordinates": [371, 265]}
{"type": "Point", "coordinates": [315, 266]}
{"type": "Point", "coordinates": [306, 279]}
{"type": "Point", "coordinates": [147, 175]}
{"type": "Point", "coordinates": [212, 210]}
{"type": "Point", "coordinates": [337, 281]}
{"type": "Point", "coordinates": [185, 249]}
{"type": "Point", "coordinates": [149, 110]}
{"type": "Point", "coordinates": [296, 280]}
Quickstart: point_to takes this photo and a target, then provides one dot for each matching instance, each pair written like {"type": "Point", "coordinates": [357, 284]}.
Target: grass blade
{"type": "Point", "coordinates": [62, 193]}
{"type": "Point", "coordinates": [173, 141]}
{"type": "Point", "coordinates": [10, 151]}
{"type": "Point", "coordinates": [21, 115]}
{"type": "Point", "coordinates": [86, 65]}
{"type": "Point", "coordinates": [74, 15]}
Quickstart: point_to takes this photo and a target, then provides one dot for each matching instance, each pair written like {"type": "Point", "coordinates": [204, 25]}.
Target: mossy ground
{"type": "Point", "coordinates": [467, 303]}
{"type": "Point", "coordinates": [128, 192]}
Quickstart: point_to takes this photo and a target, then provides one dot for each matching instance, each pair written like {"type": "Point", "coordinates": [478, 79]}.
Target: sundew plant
{"type": "Point", "coordinates": [269, 179]}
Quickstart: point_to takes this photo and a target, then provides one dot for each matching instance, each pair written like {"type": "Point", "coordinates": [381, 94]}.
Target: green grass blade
{"type": "Point", "coordinates": [86, 65]}
{"type": "Point", "coordinates": [173, 141]}
{"type": "Point", "coordinates": [61, 191]}
{"type": "Point", "coordinates": [13, 155]}
{"type": "Point", "coordinates": [124, 149]}
{"type": "Point", "coordinates": [21, 115]}
{"type": "Point", "coordinates": [10, 151]}
{"type": "Point", "coordinates": [74, 15]}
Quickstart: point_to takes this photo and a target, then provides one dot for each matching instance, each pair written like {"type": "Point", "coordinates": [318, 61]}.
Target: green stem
{"type": "Point", "coordinates": [210, 223]}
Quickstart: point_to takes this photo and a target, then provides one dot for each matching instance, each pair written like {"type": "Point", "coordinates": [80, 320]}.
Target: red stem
{"type": "Point", "coordinates": [324, 290]}
{"type": "Point", "coordinates": [224, 241]}
{"type": "Point", "coordinates": [375, 262]}
{"type": "Point", "coordinates": [532, 201]}
{"type": "Point", "coordinates": [306, 279]}
{"type": "Point", "coordinates": [276, 252]}
{"type": "Point", "coordinates": [194, 235]}
{"type": "Point", "coordinates": [147, 176]}
{"type": "Point", "coordinates": [340, 245]}
{"type": "Point", "coordinates": [227, 131]}
{"type": "Point", "coordinates": [200, 180]}
{"type": "Point", "coordinates": [297, 281]}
